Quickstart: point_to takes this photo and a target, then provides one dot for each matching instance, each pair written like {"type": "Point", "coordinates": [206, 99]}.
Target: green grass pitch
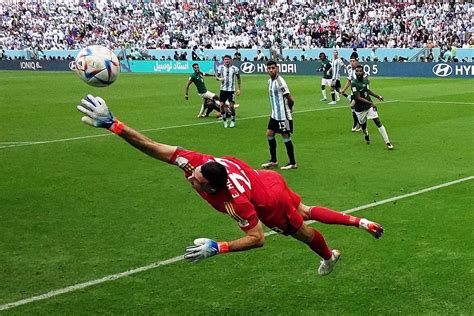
{"type": "Point", "coordinates": [78, 204]}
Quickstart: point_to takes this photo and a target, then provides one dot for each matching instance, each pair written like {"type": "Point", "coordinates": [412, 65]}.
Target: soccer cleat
{"type": "Point", "coordinates": [232, 124]}
{"type": "Point", "coordinates": [338, 99]}
{"type": "Point", "coordinates": [327, 266]}
{"type": "Point", "coordinates": [356, 128]}
{"type": "Point", "coordinates": [367, 139]}
{"type": "Point", "coordinates": [389, 146]}
{"type": "Point", "coordinates": [332, 103]}
{"type": "Point", "coordinates": [372, 228]}
{"type": "Point", "coordinates": [225, 124]}
{"type": "Point", "coordinates": [323, 99]}
{"type": "Point", "coordinates": [270, 164]}
{"type": "Point", "coordinates": [289, 166]}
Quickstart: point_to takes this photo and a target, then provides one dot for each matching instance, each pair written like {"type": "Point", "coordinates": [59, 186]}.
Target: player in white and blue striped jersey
{"type": "Point", "coordinates": [336, 65]}
{"type": "Point", "coordinates": [229, 77]}
{"type": "Point", "coordinates": [281, 120]}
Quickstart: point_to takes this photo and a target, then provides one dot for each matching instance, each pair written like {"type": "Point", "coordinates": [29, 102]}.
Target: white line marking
{"type": "Point", "coordinates": [112, 277]}
{"type": "Point", "coordinates": [20, 144]}
{"type": "Point", "coordinates": [438, 102]}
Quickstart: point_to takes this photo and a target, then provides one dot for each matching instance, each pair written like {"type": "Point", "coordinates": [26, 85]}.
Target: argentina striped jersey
{"type": "Point", "coordinates": [336, 66]}
{"type": "Point", "coordinates": [230, 77]}
{"type": "Point", "coordinates": [277, 89]}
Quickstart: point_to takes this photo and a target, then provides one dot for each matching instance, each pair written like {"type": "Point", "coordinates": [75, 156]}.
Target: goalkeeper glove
{"type": "Point", "coordinates": [204, 248]}
{"type": "Point", "coordinates": [97, 114]}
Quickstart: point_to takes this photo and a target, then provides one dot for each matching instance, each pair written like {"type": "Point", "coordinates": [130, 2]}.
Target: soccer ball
{"type": "Point", "coordinates": [97, 65]}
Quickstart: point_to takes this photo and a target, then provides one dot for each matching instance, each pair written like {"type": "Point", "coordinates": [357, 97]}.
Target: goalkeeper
{"type": "Point", "coordinates": [250, 197]}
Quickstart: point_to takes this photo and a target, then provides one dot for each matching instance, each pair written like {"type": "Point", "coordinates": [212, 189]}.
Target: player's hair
{"type": "Point", "coordinates": [227, 56]}
{"type": "Point", "coordinates": [195, 64]}
{"type": "Point", "coordinates": [322, 54]}
{"type": "Point", "coordinates": [359, 66]}
{"type": "Point", "coordinates": [355, 56]}
{"type": "Point", "coordinates": [215, 173]}
{"type": "Point", "coordinates": [271, 63]}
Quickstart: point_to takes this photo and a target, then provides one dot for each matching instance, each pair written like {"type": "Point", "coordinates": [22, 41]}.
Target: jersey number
{"type": "Point", "coordinates": [237, 179]}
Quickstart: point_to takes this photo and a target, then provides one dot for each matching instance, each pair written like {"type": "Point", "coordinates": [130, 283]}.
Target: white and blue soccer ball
{"type": "Point", "coordinates": [97, 65]}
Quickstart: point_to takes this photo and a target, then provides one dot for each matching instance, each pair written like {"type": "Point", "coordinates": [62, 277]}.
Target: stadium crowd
{"type": "Point", "coordinates": [251, 24]}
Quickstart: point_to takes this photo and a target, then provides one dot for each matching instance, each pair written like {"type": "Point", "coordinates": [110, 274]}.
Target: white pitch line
{"type": "Point", "coordinates": [437, 102]}
{"type": "Point", "coordinates": [20, 144]}
{"type": "Point", "coordinates": [116, 276]}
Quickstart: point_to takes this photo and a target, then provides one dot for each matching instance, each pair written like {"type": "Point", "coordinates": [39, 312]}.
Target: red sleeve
{"type": "Point", "coordinates": [188, 160]}
{"type": "Point", "coordinates": [243, 212]}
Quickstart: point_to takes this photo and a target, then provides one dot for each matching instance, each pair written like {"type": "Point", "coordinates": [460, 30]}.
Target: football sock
{"type": "Point", "coordinates": [232, 118]}
{"type": "Point", "coordinates": [323, 91]}
{"type": "Point", "coordinates": [209, 110]}
{"type": "Point", "coordinates": [355, 119]}
{"type": "Point", "coordinates": [319, 245]}
{"type": "Point", "coordinates": [364, 128]}
{"type": "Point", "coordinates": [333, 96]}
{"type": "Point", "coordinates": [223, 115]}
{"type": "Point", "coordinates": [328, 216]}
{"type": "Point", "coordinates": [383, 132]}
{"type": "Point", "coordinates": [290, 150]}
{"type": "Point", "coordinates": [273, 146]}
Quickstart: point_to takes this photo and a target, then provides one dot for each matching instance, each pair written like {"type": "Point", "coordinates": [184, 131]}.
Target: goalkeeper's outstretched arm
{"type": "Point", "coordinates": [141, 142]}
{"type": "Point", "coordinates": [97, 114]}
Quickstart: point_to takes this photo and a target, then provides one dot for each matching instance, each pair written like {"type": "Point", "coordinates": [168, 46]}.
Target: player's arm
{"type": "Point", "coordinates": [238, 84]}
{"type": "Point", "coordinates": [375, 95]}
{"type": "Point", "coordinates": [204, 247]}
{"type": "Point", "coordinates": [358, 98]}
{"type": "Point", "coordinates": [290, 100]}
{"type": "Point", "coordinates": [343, 91]}
{"type": "Point", "coordinates": [97, 114]}
{"type": "Point", "coordinates": [186, 91]}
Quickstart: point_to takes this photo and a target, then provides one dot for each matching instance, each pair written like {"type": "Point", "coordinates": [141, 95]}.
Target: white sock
{"type": "Point", "coordinates": [324, 94]}
{"type": "Point", "coordinates": [383, 132]}
{"type": "Point", "coordinates": [337, 96]}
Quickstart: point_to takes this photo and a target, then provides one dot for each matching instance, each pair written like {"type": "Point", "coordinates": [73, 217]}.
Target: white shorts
{"type": "Point", "coordinates": [326, 82]}
{"type": "Point", "coordinates": [364, 115]}
{"type": "Point", "coordinates": [207, 95]}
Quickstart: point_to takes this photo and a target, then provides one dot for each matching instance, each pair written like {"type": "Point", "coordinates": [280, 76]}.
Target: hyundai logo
{"type": "Point", "coordinates": [72, 65]}
{"type": "Point", "coordinates": [442, 70]}
{"type": "Point", "coordinates": [247, 68]}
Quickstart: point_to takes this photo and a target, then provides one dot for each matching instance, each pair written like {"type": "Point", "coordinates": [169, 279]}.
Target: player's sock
{"type": "Point", "coordinates": [354, 119]}
{"type": "Point", "coordinates": [273, 148]}
{"type": "Point", "coordinates": [209, 110]}
{"type": "Point", "coordinates": [290, 150]}
{"type": "Point", "coordinates": [333, 95]}
{"type": "Point", "coordinates": [337, 95]}
{"type": "Point", "coordinates": [328, 216]}
{"type": "Point", "coordinates": [319, 245]}
{"type": "Point", "coordinates": [223, 115]}
{"type": "Point", "coordinates": [364, 128]}
{"type": "Point", "coordinates": [323, 91]}
{"type": "Point", "coordinates": [383, 132]}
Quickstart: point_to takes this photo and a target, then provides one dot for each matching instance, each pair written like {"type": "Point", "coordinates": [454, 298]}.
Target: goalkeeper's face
{"type": "Point", "coordinates": [199, 182]}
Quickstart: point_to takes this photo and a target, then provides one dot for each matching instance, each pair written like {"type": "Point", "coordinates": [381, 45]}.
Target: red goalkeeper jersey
{"type": "Point", "coordinates": [249, 195]}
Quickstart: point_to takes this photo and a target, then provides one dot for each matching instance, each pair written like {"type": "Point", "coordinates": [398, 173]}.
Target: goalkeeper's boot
{"type": "Point", "coordinates": [327, 266]}
{"type": "Point", "coordinates": [323, 99]}
{"type": "Point", "coordinates": [332, 103]}
{"type": "Point", "coordinates": [372, 228]}
{"type": "Point", "coordinates": [226, 124]}
{"type": "Point", "coordinates": [232, 124]}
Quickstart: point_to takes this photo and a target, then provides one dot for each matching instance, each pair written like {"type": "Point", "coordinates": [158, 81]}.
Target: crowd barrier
{"type": "Point", "coordinates": [390, 69]}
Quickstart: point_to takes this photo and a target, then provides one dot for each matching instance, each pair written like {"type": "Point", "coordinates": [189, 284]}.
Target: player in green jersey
{"type": "Point", "coordinates": [364, 108]}
{"type": "Point", "coordinates": [197, 77]}
{"type": "Point", "coordinates": [327, 75]}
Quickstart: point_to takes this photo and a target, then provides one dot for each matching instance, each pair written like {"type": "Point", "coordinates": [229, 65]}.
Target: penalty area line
{"type": "Point", "coordinates": [155, 265]}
